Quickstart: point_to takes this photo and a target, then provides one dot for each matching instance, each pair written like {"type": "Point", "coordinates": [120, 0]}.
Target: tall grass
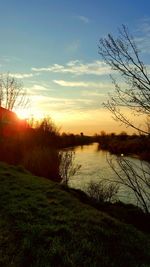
{"type": "Point", "coordinates": [36, 148]}
{"type": "Point", "coordinates": [43, 161]}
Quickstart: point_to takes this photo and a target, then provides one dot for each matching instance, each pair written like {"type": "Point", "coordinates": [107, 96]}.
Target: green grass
{"type": "Point", "coordinates": [42, 225]}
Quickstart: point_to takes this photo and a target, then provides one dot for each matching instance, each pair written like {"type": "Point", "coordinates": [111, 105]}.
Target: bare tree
{"type": "Point", "coordinates": [135, 177]}
{"type": "Point", "coordinates": [102, 192]}
{"type": "Point", "coordinates": [67, 166]}
{"type": "Point", "coordinates": [12, 93]}
{"type": "Point", "coordinates": [122, 55]}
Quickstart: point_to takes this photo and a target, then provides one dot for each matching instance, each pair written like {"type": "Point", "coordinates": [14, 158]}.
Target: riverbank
{"type": "Point", "coordinates": [128, 145]}
{"type": "Point", "coordinates": [41, 224]}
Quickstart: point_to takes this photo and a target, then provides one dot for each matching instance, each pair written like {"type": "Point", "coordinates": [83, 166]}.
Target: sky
{"type": "Point", "coordinates": [51, 46]}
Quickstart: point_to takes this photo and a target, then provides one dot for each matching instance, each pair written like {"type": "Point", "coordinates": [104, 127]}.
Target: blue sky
{"type": "Point", "coordinates": [52, 47]}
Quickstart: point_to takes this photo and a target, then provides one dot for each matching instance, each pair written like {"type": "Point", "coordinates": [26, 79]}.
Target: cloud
{"type": "Point", "coordinates": [50, 104]}
{"type": "Point", "coordinates": [83, 19]}
{"type": "Point", "coordinates": [21, 75]}
{"type": "Point", "coordinates": [38, 89]}
{"type": "Point", "coordinates": [92, 93]}
{"type": "Point", "coordinates": [83, 84]}
{"type": "Point", "coordinates": [145, 25]}
{"type": "Point", "coordinates": [77, 67]}
{"type": "Point", "coordinates": [142, 37]}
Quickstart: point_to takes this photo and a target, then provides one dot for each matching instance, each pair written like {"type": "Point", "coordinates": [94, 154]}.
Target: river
{"type": "Point", "coordinates": [94, 167]}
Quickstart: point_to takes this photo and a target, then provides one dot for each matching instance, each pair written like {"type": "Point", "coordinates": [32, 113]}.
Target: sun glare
{"type": "Point", "coordinates": [27, 114]}
{"type": "Point", "coordinates": [22, 113]}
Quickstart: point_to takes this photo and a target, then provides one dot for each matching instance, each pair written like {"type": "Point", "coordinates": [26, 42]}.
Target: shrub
{"type": "Point", "coordinates": [102, 191]}
{"type": "Point", "coordinates": [67, 166]}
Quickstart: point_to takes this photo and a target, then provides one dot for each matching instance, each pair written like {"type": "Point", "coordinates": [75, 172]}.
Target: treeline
{"type": "Point", "coordinates": [70, 140]}
{"type": "Point", "coordinates": [36, 146]}
{"type": "Point", "coordinates": [125, 144]}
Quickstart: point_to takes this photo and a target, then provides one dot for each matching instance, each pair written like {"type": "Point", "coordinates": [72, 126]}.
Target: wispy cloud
{"type": "Point", "coordinates": [77, 67]}
{"type": "Point", "coordinates": [92, 93]}
{"type": "Point", "coordinates": [83, 19]}
{"type": "Point", "coordinates": [21, 75]}
{"type": "Point", "coordinates": [38, 89]}
{"type": "Point", "coordinates": [143, 35]}
{"type": "Point", "coordinates": [145, 25]}
{"type": "Point", "coordinates": [62, 104]}
{"type": "Point", "coordinates": [83, 84]}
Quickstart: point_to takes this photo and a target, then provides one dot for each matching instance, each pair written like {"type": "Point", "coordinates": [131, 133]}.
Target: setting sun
{"type": "Point", "coordinates": [22, 113]}
{"type": "Point", "coordinates": [28, 113]}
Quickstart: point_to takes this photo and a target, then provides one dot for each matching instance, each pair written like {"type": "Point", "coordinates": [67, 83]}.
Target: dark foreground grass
{"type": "Point", "coordinates": [42, 225]}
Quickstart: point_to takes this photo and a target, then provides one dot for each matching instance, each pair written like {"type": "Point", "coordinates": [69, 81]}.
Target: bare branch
{"type": "Point", "coordinates": [123, 56]}
{"type": "Point", "coordinates": [67, 166]}
{"type": "Point", "coordinates": [12, 94]}
{"type": "Point", "coordinates": [135, 177]}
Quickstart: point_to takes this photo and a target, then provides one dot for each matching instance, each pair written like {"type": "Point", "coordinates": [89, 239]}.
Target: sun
{"type": "Point", "coordinates": [22, 113]}
{"type": "Point", "coordinates": [25, 114]}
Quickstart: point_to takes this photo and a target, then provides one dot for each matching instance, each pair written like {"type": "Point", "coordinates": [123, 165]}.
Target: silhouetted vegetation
{"type": "Point", "coordinates": [123, 56]}
{"type": "Point", "coordinates": [101, 191]}
{"type": "Point", "coordinates": [68, 168]}
{"type": "Point", "coordinates": [135, 177]}
{"type": "Point", "coordinates": [134, 145]}
{"type": "Point", "coordinates": [36, 148]}
{"type": "Point", "coordinates": [36, 145]}
{"type": "Point", "coordinates": [70, 140]}
{"type": "Point", "coordinates": [12, 93]}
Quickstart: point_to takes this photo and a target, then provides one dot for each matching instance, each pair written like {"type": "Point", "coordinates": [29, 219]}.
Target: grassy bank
{"type": "Point", "coordinates": [42, 225]}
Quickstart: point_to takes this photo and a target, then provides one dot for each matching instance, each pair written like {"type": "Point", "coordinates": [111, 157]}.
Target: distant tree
{"type": "Point", "coordinates": [46, 125]}
{"type": "Point", "coordinates": [122, 55]}
{"type": "Point", "coordinates": [103, 133]}
{"type": "Point", "coordinates": [47, 133]}
{"type": "Point", "coordinates": [12, 93]}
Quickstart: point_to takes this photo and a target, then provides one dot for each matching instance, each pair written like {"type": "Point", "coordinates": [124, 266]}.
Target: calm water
{"type": "Point", "coordinates": [94, 166]}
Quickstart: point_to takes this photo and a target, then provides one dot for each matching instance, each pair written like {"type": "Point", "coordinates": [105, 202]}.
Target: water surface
{"type": "Point", "coordinates": [95, 167]}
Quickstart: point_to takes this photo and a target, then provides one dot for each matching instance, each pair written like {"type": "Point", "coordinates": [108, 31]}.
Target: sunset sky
{"type": "Point", "coordinates": [52, 47]}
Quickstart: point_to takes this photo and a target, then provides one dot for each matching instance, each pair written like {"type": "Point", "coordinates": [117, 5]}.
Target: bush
{"type": "Point", "coordinates": [101, 191]}
{"type": "Point", "coordinates": [67, 166]}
